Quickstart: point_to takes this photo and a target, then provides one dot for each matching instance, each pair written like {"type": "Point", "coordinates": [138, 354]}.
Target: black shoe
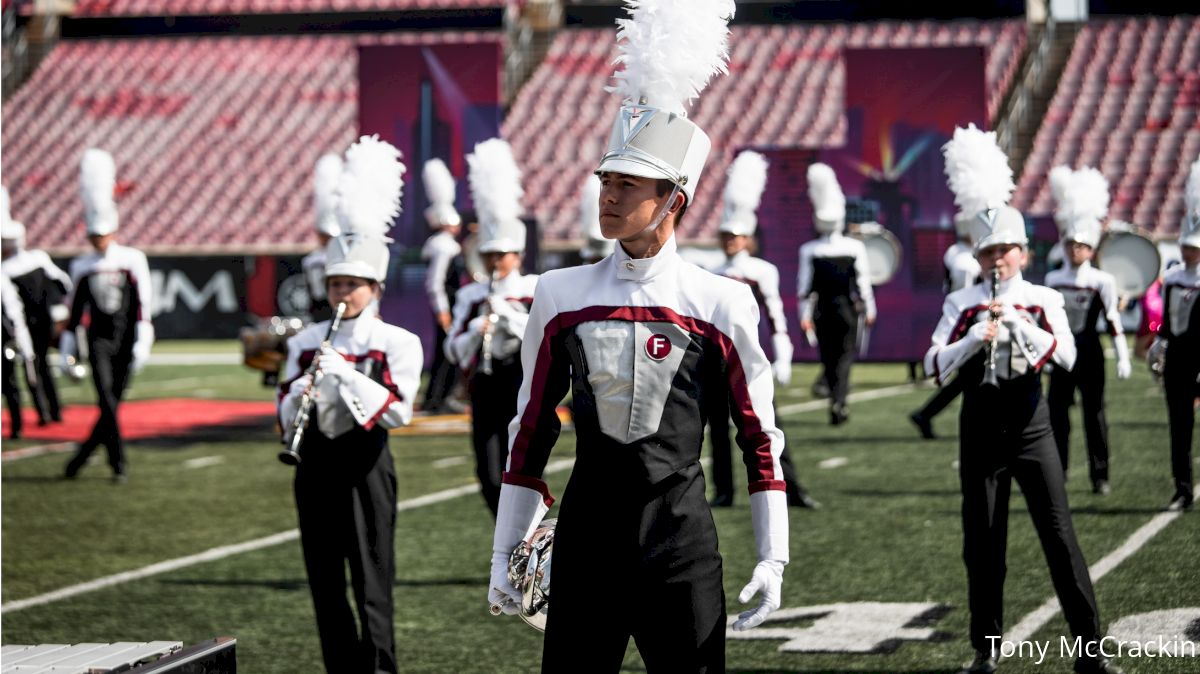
{"type": "Point", "coordinates": [984, 663]}
{"type": "Point", "coordinates": [721, 501]}
{"type": "Point", "coordinates": [801, 499]}
{"type": "Point", "coordinates": [838, 415]}
{"type": "Point", "coordinates": [924, 425]}
{"type": "Point", "coordinates": [1101, 487]}
{"type": "Point", "coordinates": [1183, 500]}
{"type": "Point", "coordinates": [1096, 666]}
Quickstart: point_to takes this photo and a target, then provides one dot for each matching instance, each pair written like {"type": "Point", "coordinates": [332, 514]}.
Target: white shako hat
{"type": "Point", "coordinates": [10, 230]}
{"type": "Point", "coordinates": [439, 191]}
{"type": "Point", "coordinates": [1189, 229]}
{"type": "Point", "coordinates": [670, 49]}
{"type": "Point", "coordinates": [97, 184]}
{"type": "Point", "coordinates": [495, 183]}
{"type": "Point", "coordinates": [744, 185]}
{"type": "Point", "coordinates": [1084, 206]}
{"type": "Point", "coordinates": [368, 200]}
{"type": "Point", "coordinates": [326, 175]}
{"type": "Point", "coordinates": [978, 173]}
{"type": "Point", "coordinates": [595, 246]}
{"type": "Point", "coordinates": [829, 204]}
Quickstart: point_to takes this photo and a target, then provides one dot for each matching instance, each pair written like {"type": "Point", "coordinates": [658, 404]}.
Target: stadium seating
{"type": "Point", "coordinates": [215, 138]}
{"type": "Point", "coordinates": [236, 7]}
{"type": "Point", "coordinates": [1126, 104]}
{"type": "Point", "coordinates": [786, 90]}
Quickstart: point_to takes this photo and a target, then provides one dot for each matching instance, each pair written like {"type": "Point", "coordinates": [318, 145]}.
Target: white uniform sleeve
{"type": "Point", "coordinates": [462, 342]}
{"type": "Point", "coordinates": [944, 356]}
{"type": "Point", "coordinates": [862, 274]}
{"type": "Point", "coordinates": [373, 403]}
{"type": "Point", "coordinates": [1038, 344]}
{"type": "Point", "coordinates": [291, 389]}
{"type": "Point", "coordinates": [768, 285]}
{"type": "Point", "coordinates": [435, 279]}
{"type": "Point", "coordinates": [14, 309]}
{"type": "Point", "coordinates": [1112, 308]}
{"type": "Point", "coordinates": [804, 285]}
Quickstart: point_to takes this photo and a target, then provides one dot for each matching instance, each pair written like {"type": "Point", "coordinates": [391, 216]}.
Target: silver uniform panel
{"type": "Point", "coordinates": [1182, 301]}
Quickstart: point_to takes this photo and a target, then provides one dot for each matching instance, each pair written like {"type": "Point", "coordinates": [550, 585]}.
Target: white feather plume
{"type": "Point", "coordinates": [97, 180]}
{"type": "Point", "coordinates": [369, 190]}
{"type": "Point", "coordinates": [439, 184]}
{"type": "Point", "coordinates": [589, 208]}
{"type": "Point", "coordinates": [824, 190]}
{"type": "Point", "coordinates": [1191, 193]}
{"type": "Point", "coordinates": [670, 49]}
{"type": "Point", "coordinates": [495, 182]}
{"type": "Point", "coordinates": [1060, 181]}
{"type": "Point", "coordinates": [325, 182]}
{"type": "Point", "coordinates": [977, 170]}
{"type": "Point", "coordinates": [1087, 196]}
{"type": "Point", "coordinates": [745, 182]}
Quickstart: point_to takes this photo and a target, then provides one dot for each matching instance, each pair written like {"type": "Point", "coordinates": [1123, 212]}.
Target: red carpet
{"type": "Point", "coordinates": [150, 418]}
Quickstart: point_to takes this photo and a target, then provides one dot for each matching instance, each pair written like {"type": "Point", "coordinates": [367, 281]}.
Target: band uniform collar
{"type": "Point", "coordinates": [645, 269]}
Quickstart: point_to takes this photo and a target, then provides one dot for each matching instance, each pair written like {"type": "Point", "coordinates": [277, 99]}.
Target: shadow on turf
{"type": "Point", "coordinates": [293, 584]}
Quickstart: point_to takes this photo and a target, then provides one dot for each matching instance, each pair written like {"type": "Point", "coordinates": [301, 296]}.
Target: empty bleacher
{"type": "Point", "coordinates": [89, 8]}
{"type": "Point", "coordinates": [786, 90]}
{"type": "Point", "coordinates": [1127, 104]}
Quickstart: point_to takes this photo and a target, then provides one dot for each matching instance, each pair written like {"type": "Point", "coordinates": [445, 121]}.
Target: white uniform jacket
{"type": "Point", "coordinates": [14, 311]}
{"type": "Point", "coordinates": [510, 300]}
{"type": "Point", "coordinates": [1087, 294]}
{"type": "Point", "coordinates": [1042, 332]}
{"type": "Point", "coordinates": [387, 364]}
{"type": "Point", "coordinates": [438, 251]}
{"type": "Point", "coordinates": [641, 341]}
{"type": "Point", "coordinates": [839, 263]}
{"type": "Point", "coordinates": [763, 279]}
{"type": "Point", "coordinates": [114, 286]}
{"type": "Point", "coordinates": [35, 261]}
{"type": "Point", "coordinates": [962, 269]}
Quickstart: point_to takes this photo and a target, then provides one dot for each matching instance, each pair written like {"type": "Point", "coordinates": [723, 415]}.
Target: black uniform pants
{"type": "Point", "coordinates": [346, 505]}
{"type": "Point", "coordinates": [1179, 381]}
{"type": "Point", "coordinates": [45, 394]}
{"type": "Point", "coordinates": [111, 361]}
{"type": "Point", "coordinates": [1088, 377]}
{"type": "Point", "coordinates": [941, 398]}
{"type": "Point", "coordinates": [442, 372]}
{"type": "Point", "coordinates": [993, 455]}
{"type": "Point", "coordinates": [722, 460]}
{"type": "Point", "coordinates": [12, 398]}
{"type": "Point", "coordinates": [635, 561]}
{"type": "Point", "coordinates": [836, 335]}
{"type": "Point", "coordinates": [493, 406]}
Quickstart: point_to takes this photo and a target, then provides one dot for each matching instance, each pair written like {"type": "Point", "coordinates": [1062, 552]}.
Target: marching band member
{"type": "Point", "coordinates": [114, 300]}
{"type": "Point", "coordinates": [833, 267]}
{"type": "Point", "coordinates": [1176, 352]}
{"type": "Point", "coordinates": [365, 378]}
{"type": "Point", "coordinates": [747, 177]}
{"type": "Point", "coordinates": [325, 179]}
{"type": "Point", "coordinates": [962, 270]}
{"type": "Point", "coordinates": [17, 345]}
{"type": "Point", "coordinates": [1088, 293]}
{"type": "Point", "coordinates": [43, 288]}
{"type": "Point", "coordinates": [490, 316]}
{"type": "Point", "coordinates": [440, 282]}
{"type": "Point", "coordinates": [645, 340]}
{"type": "Point", "coordinates": [997, 336]}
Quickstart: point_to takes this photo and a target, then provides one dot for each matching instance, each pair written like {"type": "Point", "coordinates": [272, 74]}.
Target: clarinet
{"type": "Point", "coordinates": [485, 359]}
{"type": "Point", "coordinates": [989, 371]}
{"type": "Point", "coordinates": [291, 454]}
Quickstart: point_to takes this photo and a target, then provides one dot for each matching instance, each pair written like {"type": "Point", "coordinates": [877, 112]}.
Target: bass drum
{"type": "Point", "coordinates": [1131, 257]}
{"type": "Point", "coordinates": [884, 253]}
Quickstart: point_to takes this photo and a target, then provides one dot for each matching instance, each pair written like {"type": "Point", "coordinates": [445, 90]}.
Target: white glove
{"type": "Point", "coordinates": [978, 332]}
{"type": "Point", "coordinates": [66, 349]}
{"type": "Point", "coordinates": [782, 367]}
{"type": "Point", "coordinates": [1010, 317]}
{"type": "Point", "coordinates": [334, 364]}
{"type": "Point", "coordinates": [768, 580]}
{"type": "Point", "coordinates": [142, 342]}
{"type": "Point", "coordinates": [501, 593]}
{"type": "Point", "coordinates": [1124, 367]}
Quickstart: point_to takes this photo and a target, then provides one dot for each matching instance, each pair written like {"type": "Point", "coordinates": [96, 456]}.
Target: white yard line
{"type": "Point", "coordinates": [1030, 624]}
{"type": "Point", "coordinates": [37, 450]}
{"type": "Point", "coordinates": [449, 462]}
{"type": "Point", "coordinates": [224, 551]}
{"type": "Point", "coordinates": [203, 461]}
{"type": "Point", "coordinates": [833, 462]}
{"type": "Point", "coordinates": [874, 394]}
